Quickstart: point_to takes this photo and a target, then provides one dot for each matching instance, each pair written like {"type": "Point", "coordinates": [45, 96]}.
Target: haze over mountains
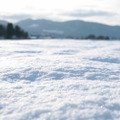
{"type": "Point", "coordinates": [67, 29]}
{"type": "Point", "coordinates": [3, 22]}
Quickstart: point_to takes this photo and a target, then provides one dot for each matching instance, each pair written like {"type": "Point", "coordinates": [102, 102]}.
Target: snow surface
{"type": "Point", "coordinates": [59, 80]}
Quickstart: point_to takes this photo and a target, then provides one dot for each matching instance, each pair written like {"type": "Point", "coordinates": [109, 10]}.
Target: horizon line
{"type": "Point", "coordinates": [35, 19]}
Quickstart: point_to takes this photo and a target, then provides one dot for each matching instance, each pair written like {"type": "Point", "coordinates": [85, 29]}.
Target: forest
{"type": "Point", "coordinates": [11, 31]}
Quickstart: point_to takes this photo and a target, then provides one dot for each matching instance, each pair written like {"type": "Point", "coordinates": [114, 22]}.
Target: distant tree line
{"type": "Point", "coordinates": [12, 32]}
{"type": "Point", "coordinates": [93, 37]}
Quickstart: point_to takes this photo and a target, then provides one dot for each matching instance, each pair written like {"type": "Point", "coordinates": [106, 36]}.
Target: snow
{"type": "Point", "coordinates": [59, 80]}
{"type": "Point", "coordinates": [53, 31]}
{"type": "Point", "coordinates": [34, 25]}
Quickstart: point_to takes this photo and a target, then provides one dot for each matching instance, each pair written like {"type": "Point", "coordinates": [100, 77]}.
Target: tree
{"type": "Point", "coordinates": [100, 37]}
{"type": "Point", "coordinates": [103, 38]}
{"type": "Point", "coordinates": [9, 31]}
{"type": "Point", "coordinates": [91, 36]}
{"type": "Point", "coordinates": [17, 31]}
{"type": "Point", "coordinates": [2, 31]}
{"type": "Point", "coordinates": [25, 35]}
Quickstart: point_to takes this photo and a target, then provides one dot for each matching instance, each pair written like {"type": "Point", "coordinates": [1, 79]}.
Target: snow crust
{"type": "Point", "coordinates": [59, 80]}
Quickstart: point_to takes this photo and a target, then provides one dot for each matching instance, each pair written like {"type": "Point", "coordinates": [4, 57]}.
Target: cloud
{"type": "Point", "coordinates": [15, 16]}
{"type": "Point", "coordinates": [88, 13]}
{"type": "Point", "coordinates": [83, 14]}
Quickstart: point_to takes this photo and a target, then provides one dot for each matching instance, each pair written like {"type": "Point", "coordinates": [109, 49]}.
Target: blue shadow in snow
{"type": "Point", "coordinates": [67, 52]}
{"type": "Point", "coordinates": [27, 51]}
{"type": "Point", "coordinates": [108, 60]}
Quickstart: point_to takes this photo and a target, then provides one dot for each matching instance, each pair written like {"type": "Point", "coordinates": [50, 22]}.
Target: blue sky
{"type": "Point", "coordinates": [103, 11]}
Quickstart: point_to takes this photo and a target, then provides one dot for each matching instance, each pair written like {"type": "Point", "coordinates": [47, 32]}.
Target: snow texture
{"type": "Point", "coordinates": [59, 80]}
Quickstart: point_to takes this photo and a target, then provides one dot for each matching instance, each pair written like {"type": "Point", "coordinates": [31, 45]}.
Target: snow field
{"type": "Point", "coordinates": [59, 80]}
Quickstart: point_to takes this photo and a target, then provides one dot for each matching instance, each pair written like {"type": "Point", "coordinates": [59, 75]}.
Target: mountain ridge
{"type": "Point", "coordinates": [71, 28]}
{"type": "Point", "coordinates": [68, 29]}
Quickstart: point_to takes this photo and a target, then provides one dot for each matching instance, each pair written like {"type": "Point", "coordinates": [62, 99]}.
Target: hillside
{"type": "Point", "coordinates": [73, 29]}
{"type": "Point", "coordinates": [67, 29]}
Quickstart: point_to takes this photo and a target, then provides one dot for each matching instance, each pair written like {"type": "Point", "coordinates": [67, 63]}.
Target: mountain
{"type": "Point", "coordinates": [3, 22]}
{"type": "Point", "coordinates": [73, 28]}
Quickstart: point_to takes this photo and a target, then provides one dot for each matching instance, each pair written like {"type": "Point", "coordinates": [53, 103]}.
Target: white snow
{"type": "Point", "coordinates": [35, 25]}
{"type": "Point", "coordinates": [59, 80]}
{"type": "Point", "coordinates": [53, 31]}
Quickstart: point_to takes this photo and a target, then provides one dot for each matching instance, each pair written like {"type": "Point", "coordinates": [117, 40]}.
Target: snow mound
{"type": "Point", "coordinates": [59, 80]}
